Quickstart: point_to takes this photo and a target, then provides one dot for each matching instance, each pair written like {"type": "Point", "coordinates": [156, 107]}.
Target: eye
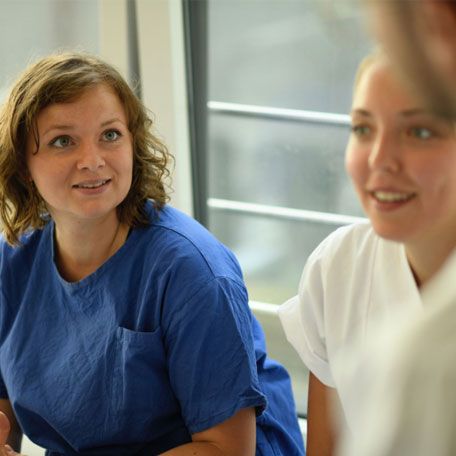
{"type": "Point", "coordinates": [361, 130]}
{"type": "Point", "coordinates": [421, 133]}
{"type": "Point", "coordinates": [61, 141]}
{"type": "Point", "coordinates": [111, 135]}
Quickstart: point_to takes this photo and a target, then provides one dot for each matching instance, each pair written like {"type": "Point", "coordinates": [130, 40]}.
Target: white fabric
{"type": "Point", "coordinates": [353, 282]}
{"type": "Point", "coordinates": [408, 380]}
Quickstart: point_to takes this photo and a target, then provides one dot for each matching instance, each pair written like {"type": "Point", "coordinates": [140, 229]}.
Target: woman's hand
{"type": "Point", "coordinates": [8, 451]}
{"type": "Point", "coordinates": [5, 427]}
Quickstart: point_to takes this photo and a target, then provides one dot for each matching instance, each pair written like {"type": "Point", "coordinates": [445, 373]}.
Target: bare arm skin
{"type": "Point", "coordinates": [13, 435]}
{"type": "Point", "coordinates": [234, 437]}
{"type": "Point", "coordinates": [323, 407]}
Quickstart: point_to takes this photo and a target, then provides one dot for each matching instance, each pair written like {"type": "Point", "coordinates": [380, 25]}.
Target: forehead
{"type": "Point", "coordinates": [379, 84]}
{"type": "Point", "coordinates": [95, 93]}
{"type": "Point", "coordinates": [99, 99]}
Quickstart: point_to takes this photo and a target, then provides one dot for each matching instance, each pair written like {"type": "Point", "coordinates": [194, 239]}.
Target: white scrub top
{"type": "Point", "coordinates": [411, 406]}
{"type": "Point", "coordinates": [352, 284]}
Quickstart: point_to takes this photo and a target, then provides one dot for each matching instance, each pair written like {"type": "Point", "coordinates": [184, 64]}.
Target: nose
{"type": "Point", "coordinates": [385, 153]}
{"type": "Point", "coordinates": [90, 158]}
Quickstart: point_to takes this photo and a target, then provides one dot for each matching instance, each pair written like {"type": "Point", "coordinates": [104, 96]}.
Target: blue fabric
{"type": "Point", "coordinates": [157, 344]}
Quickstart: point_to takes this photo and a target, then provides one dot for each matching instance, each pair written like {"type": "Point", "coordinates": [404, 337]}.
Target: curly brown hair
{"type": "Point", "coordinates": [60, 78]}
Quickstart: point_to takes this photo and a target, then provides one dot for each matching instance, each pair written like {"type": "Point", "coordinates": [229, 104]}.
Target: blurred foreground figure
{"type": "Point", "coordinates": [420, 36]}
{"type": "Point", "coordinates": [412, 405]}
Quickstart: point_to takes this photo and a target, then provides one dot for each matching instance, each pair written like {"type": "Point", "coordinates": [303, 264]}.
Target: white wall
{"type": "Point", "coordinates": [162, 65]}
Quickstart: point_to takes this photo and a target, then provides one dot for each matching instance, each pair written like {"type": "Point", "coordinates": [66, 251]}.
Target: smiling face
{"type": "Point", "coordinates": [402, 160]}
{"type": "Point", "coordinates": [83, 167]}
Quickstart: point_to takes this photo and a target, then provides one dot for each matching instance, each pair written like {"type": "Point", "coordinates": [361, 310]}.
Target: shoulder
{"type": "Point", "coordinates": [342, 259]}
{"type": "Point", "coordinates": [178, 237]}
{"type": "Point", "coordinates": [17, 264]}
{"type": "Point", "coordinates": [346, 244]}
{"type": "Point", "coordinates": [22, 253]}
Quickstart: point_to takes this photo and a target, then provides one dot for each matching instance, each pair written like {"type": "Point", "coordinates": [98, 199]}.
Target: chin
{"type": "Point", "coordinates": [94, 213]}
{"type": "Point", "coordinates": [391, 232]}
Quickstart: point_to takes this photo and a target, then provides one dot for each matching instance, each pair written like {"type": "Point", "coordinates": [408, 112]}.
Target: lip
{"type": "Point", "coordinates": [388, 199]}
{"type": "Point", "coordinates": [92, 186]}
{"type": "Point", "coordinates": [91, 183]}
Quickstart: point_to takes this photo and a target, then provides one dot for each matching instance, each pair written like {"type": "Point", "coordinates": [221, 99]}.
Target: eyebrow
{"type": "Point", "coordinates": [70, 127]}
{"type": "Point", "coordinates": [110, 121]}
{"type": "Point", "coordinates": [361, 112]}
{"type": "Point", "coordinates": [414, 112]}
{"type": "Point", "coordinates": [57, 127]}
{"type": "Point", "coordinates": [406, 113]}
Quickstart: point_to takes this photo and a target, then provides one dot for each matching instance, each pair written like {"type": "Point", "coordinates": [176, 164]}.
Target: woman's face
{"type": "Point", "coordinates": [402, 160]}
{"type": "Point", "coordinates": [83, 167]}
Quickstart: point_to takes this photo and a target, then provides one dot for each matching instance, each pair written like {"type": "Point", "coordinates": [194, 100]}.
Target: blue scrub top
{"type": "Point", "coordinates": [157, 344]}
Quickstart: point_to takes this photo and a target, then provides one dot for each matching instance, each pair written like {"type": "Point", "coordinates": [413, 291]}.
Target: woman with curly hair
{"type": "Point", "coordinates": [124, 325]}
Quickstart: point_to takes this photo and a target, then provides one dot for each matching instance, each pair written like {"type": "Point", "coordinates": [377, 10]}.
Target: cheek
{"type": "Point", "coordinates": [354, 162]}
{"type": "Point", "coordinates": [33, 171]}
{"type": "Point", "coordinates": [129, 164]}
{"type": "Point", "coordinates": [48, 176]}
{"type": "Point", "coordinates": [435, 173]}
{"type": "Point", "coordinates": [125, 166]}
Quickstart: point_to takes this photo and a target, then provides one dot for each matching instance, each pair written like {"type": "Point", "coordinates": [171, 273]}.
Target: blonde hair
{"type": "Point", "coordinates": [374, 56]}
{"type": "Point", "coordinates": [61, 78]}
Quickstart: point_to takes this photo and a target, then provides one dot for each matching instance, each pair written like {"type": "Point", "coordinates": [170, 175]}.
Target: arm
{"type": "Point", "coordinates": [233, 437]}
{"type": "Point", "coordinates": [212, 369]}
{"type": "Point", "coordinates": [12, 435]}
{"type": "Point", "coordinates": [321, 429]}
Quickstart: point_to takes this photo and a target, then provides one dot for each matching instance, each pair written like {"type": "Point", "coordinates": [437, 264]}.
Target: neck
{"type": "Point", "coordinates": [81, 248]}
{"type": "Point", "coordinates": [425, 259]}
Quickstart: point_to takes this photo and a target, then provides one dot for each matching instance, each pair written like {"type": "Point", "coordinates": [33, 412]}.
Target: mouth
{"type": "Point", "coordinates": [391, 197]}
{"type": "Point", "coordinates": [92, 184]}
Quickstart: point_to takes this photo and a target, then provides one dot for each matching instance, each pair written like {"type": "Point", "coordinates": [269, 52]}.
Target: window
{"type": "Point", "coordinates": [276, 87]}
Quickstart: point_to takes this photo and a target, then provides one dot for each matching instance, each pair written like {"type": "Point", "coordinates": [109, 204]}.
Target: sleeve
{"type": "Point", "coordinates": [3, 392]}
{"type": "Point", "coordinates": [303, 318]}
{"type": "Point", "coordinates": [3, 318]}
{"type": "Point", "coordinates": [211, 356]}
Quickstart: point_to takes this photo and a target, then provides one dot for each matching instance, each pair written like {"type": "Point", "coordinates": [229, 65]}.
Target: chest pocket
{"type": "Point", "coordinates": [141, 388]}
